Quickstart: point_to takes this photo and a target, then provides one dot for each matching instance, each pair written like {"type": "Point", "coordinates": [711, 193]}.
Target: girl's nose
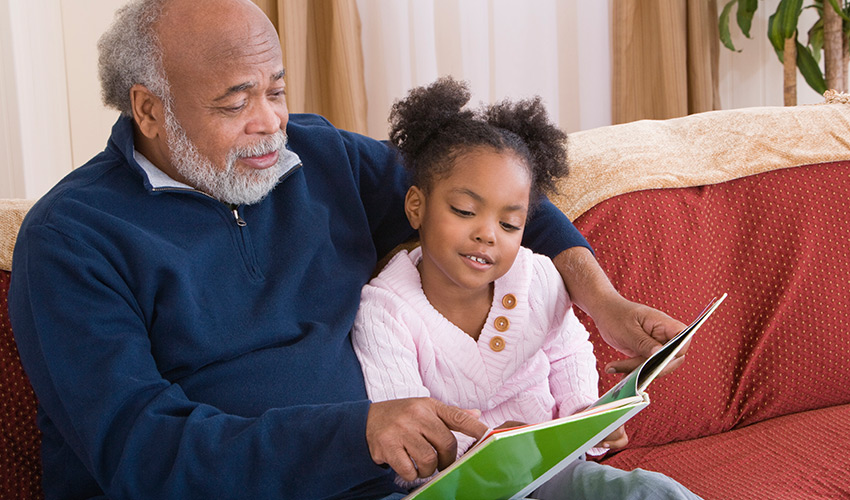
{"type": "Point", "coordinates": [485, 234]}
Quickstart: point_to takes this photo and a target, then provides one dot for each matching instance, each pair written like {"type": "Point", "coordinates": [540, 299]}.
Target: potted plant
{"type": "Point", "coordinates": [829, 35]}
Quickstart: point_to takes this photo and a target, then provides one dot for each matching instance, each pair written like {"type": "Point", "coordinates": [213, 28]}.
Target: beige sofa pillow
{"type": "Point", "coordinates": [700, 149]}
{"type": "Point", "coordinates": [12, 213]}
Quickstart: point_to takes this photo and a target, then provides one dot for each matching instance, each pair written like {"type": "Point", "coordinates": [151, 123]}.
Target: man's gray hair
{"type": "Point", "coordinates": [130, 53]}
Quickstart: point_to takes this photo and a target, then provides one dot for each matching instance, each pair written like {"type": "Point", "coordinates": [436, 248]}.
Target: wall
{"type": "Point", "coordinates": [51, 118]}
{"type": "Point", "coordinates": [34, 132]}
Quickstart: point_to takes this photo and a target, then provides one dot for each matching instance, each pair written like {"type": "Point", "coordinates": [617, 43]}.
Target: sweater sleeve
{"type": "Point", "coordinates": [549, 231]}
{"type": "Point", "coordinates": [572, 379]}
{"type": "Point", "coordinates": [385, 348]}
{"type": "Point", "coordinates": [383, 184]}
{"type": "Point", "coordinates": [84, 344]}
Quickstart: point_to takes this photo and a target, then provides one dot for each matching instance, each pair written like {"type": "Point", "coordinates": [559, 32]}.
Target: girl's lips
{"type": "Point", "coordinates": [477, 261]}
{"type": "Point", "coordinates": [261, 162]}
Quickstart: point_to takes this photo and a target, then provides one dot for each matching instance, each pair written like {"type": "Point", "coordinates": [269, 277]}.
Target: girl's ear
{"type": "Point", "coordinates": [414, 203]}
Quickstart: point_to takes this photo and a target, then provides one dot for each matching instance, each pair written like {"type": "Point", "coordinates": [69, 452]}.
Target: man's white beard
{"type": "Point", "coordinates": [246, 186]}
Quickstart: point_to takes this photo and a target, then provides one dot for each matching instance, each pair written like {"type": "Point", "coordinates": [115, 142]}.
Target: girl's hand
{"type": "Point", "coordinates": [616, 440]}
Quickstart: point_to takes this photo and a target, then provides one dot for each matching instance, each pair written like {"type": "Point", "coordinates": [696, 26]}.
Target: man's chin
{"type": "Point", "coordinates": [253, 191]}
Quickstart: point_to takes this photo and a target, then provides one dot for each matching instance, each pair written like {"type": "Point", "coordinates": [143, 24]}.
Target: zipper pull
{"type": "Point", "coordinates": [239, 220]}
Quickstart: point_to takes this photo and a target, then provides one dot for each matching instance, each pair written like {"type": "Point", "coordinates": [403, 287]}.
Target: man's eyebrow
{"type": "Point", "coordinates": [242, 87]}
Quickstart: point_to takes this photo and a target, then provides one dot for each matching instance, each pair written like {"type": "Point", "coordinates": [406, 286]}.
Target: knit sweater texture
{"type": "Point", "coordinates": [536, 366]}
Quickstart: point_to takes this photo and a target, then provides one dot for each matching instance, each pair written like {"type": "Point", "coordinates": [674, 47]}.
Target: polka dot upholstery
{"type": "Point", "coordinates": [20, 462]}
{"type": "Point", "coordinates": [774, 352]}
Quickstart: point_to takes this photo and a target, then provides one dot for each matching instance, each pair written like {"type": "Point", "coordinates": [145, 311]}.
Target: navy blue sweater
{"type": "Point", "coordinates": [176, 354]}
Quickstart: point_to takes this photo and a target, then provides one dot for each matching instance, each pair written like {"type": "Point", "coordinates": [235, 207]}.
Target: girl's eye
{"type": "Point", "coordinates": [462, 213]}
{"type": "Point", "coordinates": [509, 227]}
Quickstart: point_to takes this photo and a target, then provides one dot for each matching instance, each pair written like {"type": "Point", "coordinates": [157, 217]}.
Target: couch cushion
{"type": "Point", "coordinates": [20, 439]}
{"type": "Point", "coordinates": [777, 243]}
{"type": "Point", "coordinates": [792, 457]}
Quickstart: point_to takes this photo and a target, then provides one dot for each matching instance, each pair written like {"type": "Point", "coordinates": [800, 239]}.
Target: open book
{"type": "Point", "coordinates": [511, 463]}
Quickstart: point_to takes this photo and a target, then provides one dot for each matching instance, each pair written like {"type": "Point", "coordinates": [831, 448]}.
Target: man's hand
{"type": "Point", "coordinates": [637, 331]}
{"type": "Point", "coordinates": [634, 329]}
{"type": "Point", "coordinates": [413, 436]}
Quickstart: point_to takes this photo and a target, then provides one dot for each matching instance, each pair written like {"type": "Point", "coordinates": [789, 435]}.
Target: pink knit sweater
{"type": "Point", "coordinates": [532, 362]}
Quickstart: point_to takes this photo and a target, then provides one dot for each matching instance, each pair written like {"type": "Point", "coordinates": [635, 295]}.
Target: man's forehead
{"type": "Point", "coordinates": [231, 35]}
{"type": "Point", "coordinates": [255, 46]}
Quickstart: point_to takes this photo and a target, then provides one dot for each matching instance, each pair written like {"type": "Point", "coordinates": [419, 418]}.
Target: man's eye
{"type": "Point", "coordinates": [234, 109]}
{"type": "Point", "coordinates": [462, 213]}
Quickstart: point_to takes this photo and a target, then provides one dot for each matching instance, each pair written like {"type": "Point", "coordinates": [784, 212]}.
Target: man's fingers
{"type": "Point", "coordinates": [424, 457]}
{"type": "Point", "coordinates": [623, 365]}
{"type": "Point", "coordinates": [413, 436]}
{"type": "Point", "coordinates": [460, 420]}
{"type": "Point", "coordinates": [401, 462]}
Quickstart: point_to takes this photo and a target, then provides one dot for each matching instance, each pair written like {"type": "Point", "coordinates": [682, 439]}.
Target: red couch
{"type": "Point", "coordinates": [761, 407]}
{"type": "Point", "coordinates": [749, 202]}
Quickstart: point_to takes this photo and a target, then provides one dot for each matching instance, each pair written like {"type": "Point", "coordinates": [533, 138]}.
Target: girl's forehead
{"type": "Point", "coordinates": [490, 162]}
{"type": "Point", "coordinates": [488, 176]}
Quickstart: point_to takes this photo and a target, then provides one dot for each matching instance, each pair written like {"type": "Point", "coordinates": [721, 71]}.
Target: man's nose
{"type": "Point", "coordinates": [266, 119]}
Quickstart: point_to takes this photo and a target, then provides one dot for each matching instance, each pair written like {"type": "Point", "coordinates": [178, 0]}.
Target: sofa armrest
{"type": "Point", "coordinates": [12, 212]}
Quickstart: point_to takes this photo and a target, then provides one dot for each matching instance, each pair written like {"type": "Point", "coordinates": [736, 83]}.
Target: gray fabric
{"type": "Point", "coordinates": [594, 481]}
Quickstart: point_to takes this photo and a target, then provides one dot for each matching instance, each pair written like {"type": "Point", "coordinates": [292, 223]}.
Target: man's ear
{"type": "Point", "coordinates": [148, 111]}
{"type": "Point", "coordinates": [414, 206]}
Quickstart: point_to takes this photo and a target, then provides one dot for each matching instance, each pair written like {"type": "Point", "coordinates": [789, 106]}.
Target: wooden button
{"type": "Point", "coordinates": [509, 301]}
{"type": "Point", "coordinates": [497, 343]}
{"type": "Point", "coordinates": [502, 324]}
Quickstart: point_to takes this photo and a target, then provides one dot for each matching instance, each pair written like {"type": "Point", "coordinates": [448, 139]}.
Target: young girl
{"type": "Point", "coordinates": [470, 317]}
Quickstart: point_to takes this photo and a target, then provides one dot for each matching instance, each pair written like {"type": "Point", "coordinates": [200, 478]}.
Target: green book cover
{"type": "Point", "coordinates": [511, 463]}
{"type": "Point", "coordinates": [514, 462]}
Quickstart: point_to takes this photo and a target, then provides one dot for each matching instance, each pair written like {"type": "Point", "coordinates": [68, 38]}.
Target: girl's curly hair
{"type": "Point", "coordinates": [431, 129]}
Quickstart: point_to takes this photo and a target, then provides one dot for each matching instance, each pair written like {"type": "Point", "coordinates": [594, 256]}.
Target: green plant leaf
{"type": "Point", "coordinates": [787, 17]}
{"type": "Point", "coordinates": [746, 10]}
{"type": "Point", "coordinates": [723, 26]}
{"type": "Point", "coordinates": [810, 70]}
{"type": "Point", "coordinates": [775, 37]}
{"type": "Point", "coordinates": [816, 40]}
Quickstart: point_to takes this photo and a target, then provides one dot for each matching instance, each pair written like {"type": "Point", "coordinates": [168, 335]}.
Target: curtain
{"type": "Point", "coordinates": [665, 58]}
{"type": "Point", "coordinates": [323, 58]}
{"type": "Point", "coordinates": [557, 49]}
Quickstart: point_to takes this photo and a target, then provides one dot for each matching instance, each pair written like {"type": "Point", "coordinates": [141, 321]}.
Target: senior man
{"type": "Point", "coordinates": [182, 302]}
